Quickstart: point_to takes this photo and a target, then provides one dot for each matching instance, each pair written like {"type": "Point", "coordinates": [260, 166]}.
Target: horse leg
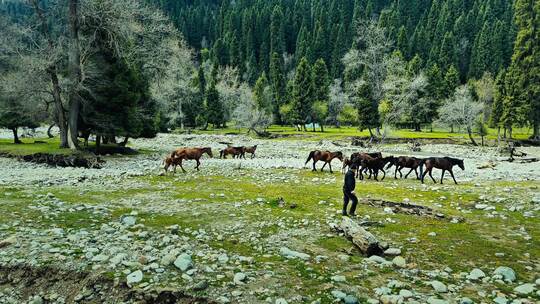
{"type": "Point", "coordinates": [442, 176]}
{"type": "Point", "coordinates": [416, 172]}
{"type": "Point", "coordinates": [253, 155]}
{"type": "Point", "coordinates": [324, 165]}
{"type": "Point", "coordinates": [384, 174]}
{"type": "Point", "coordinates": [395, 172]}
{"type": "Point", "coordinates": [400, 173]}
{"type": "Point", "coordinates": [183, 170]}
{"type": "Point", "coordinates": [430, 175]}
{"type": "Point", "coordinates": [198, 164]}
{"type": "Point", "coordinates": [330, 165]}
{"type": "Point", "coordinates": [314, 169]}
{"type": "Point", "coordinates": [406, 175]}
{"type": "Point", "coordinates": [452, 173]}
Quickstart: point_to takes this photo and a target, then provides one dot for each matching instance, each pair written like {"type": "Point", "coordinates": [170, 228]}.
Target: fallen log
{"type": "Point", "coordinates": [360, 237]}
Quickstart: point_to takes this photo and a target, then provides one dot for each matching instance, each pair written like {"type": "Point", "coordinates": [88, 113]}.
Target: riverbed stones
{"type": "Point", "coordinates": [438, 286]}
{"type": "Point", "coordinates": [476, 274]}
{"type": "Point", "coordinates": [507, 273]}
{"type": "Point", "coordinates": [134, 277]}
{"type": "Point", "coordinates": [183, 262]}
{"type": "Point", "coordinates": [524, 289]}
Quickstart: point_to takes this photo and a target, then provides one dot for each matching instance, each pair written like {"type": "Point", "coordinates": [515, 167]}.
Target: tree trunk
{"type": "Point", "coordinates": [52, 72]}
{"type": "Point", "coordinates": [452, 129]}
{"type": "Point", "coordinates": [370, 133]}
{"type": "Point", "coordinates": [124, 142]}
{"type": "Point", "coordinates": [536, 130]}
{"type": "Point", "coordinates": [510, 132]}
{"type": "Point", "coordinates": [313, 126]}
{"type": "Point", "coordinates": [363, 239]}
{"type": "Point", "coordinates": [504, 134]}
{"type": "Point", "coordinates": [482, 141]}
{"type": "Point", "coordinates": [322, 128]}
{"type": "Point", "coordinates": [98, 143]}
{"type": "Point", "coordinates": [417, 128]}
{"type": "Point", "coordinates": [74, 64]}
{"type": "Point", "coordinates": [49, 133]}
{"type": "Point", "coordinates": [471, 137]}
{"type": "Point", "coordinates": [16, 139]}
{"type": "Point", "coordinates": [498, 136]}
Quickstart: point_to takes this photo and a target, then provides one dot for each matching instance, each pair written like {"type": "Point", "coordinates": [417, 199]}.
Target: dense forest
{"type": "Point", "coordinates": [160, 65]}
{"type": "Point", "coordinates": [474, 36]}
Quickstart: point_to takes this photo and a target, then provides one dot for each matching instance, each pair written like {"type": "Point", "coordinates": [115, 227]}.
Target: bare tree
{"type": "Point", "coordinates": [338, 99]}
{"type": "Point", "coordinates": [248, 114]}
{"type": "Point", "coordinates": [461, 110]}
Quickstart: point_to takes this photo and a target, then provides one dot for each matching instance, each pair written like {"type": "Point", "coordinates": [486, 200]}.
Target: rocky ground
{"type": "Point", "coordinates": [260, 230]}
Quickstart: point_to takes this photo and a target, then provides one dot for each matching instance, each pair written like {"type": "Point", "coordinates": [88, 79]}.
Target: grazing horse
{"type": "Point", "coordinates": [376, 164]}
{"type": "Point", "coordinates": [250, 150]}
{"type": "Point", "coordinates": [325, 156]}
{"type": "Point", "coordinates": [443, 163]}
{"type": "Point", "coordinates": [171, 161]}
{"type": "Point", "coordinates": [234, 151]}
{"type": "Point", "coordinates": [190, 153]}
{"type": "Point", "coordinates": [407, 162]}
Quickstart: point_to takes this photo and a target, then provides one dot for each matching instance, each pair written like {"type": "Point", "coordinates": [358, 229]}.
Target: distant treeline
{"type": "Point", "coordinates": [475, 36]}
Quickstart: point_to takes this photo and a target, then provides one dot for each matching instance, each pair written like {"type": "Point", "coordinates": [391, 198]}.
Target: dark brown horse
{"type": "Point", "coordinates": [376, 164]}
{"type": "Point", "coordinates": [190, 153]}
{"type": "Point", "coordinates": [325, 156]}
{"type": "Point", "coordinates": [443, 163]}
{"type": "Point", "coordinates": [357, 157]}
{"type": "Point", "coordinates": [234, 151]}
{"type": "Point", "coordinates": [250, 150]}
{"type": "Point", "coordinates": [407, 162]}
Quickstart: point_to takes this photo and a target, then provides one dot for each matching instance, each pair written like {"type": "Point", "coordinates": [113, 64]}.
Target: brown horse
{"type": "Point", "coordinates": [325, 156]}
{"type": "Point", "coordinates": [357, 157]}
{"type": "Point", "coordinates": [406, 162]}
{"type": "Point", "coordinates": [190, 153]}
{"type": "Point", "coordinates": [443, 163]}
{"type": "Point", "coordinates": [234, 151]}
{"type": "Point", "coordinates": [171, 161]}
{"type": "Point", "coordinates": [347, 162]}
{"type": "Point", "coordinates": [376, 164]}
{"type": "Point", "coordinates": [250, 150]}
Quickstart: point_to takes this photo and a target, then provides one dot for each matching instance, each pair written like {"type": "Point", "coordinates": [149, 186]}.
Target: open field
{"type": "Point", "coordinates": [259, 230]}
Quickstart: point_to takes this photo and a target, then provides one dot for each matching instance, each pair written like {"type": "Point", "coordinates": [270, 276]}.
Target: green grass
{"type": "Point", "coordinates": [29, 146]}
{"type": "Point", "coordinates": [194, 202]}
{"type": "Point", "coordinates": [345, 132]}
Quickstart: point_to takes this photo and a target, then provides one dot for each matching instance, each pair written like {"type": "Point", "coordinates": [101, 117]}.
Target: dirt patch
{"type": "Point", "coordinates": [59, 160]}
{"type": "Point", "coordinates": [410, 209]}
{"type": "Point", "coordinates": [25, 282]}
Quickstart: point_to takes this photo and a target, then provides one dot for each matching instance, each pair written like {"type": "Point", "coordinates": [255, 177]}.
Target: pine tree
{"type": "Point", "coordinates": [320, 91]}
{"type": "Point", "coordinates": [302, 94]}
{"type": "Point", "coordinates": [277, 32]}
{"type": "Point", "coordinates": [451, 81]}
{"type": "Point", "coordinates": [277, 83]}
{"type": "Point", "coordinates": [497, 105]}
{"type": "Point", "coordinates": [259, 92]}
{"type": "Point", "coordinates": [368, 111]}
{"type": "Point", "coordinates": [525, 66]}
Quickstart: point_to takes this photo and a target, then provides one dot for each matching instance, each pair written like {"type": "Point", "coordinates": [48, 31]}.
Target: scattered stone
{"type": "Point", "coordinates": [338, 278]}
{"type": "Point", "coordinates": [433, 300]}
{"type": "Point", "coordinates": [202, 285]}
{"type": "Point", "coordinates": [392, 251]}
{"type": "Point", "coordinates": [465, 300]}
{"type": "Point", "coordinates": [480, 206]}
{"type": "Point", "coordinates": [524, 289]}
{"type": "Point", "coordinates": [405, 293]}
{"type": "Point", "coordinates": [399, 262]}
{"type": "Point", "coordinates": [339, 294]}
{"type": "Point", "coordinates": [439, 286]}
{"type": "Point", "coordinates": [500, 300]}
{"type": "Point", "coordinates": [291, 254]}
{"type": "Point", "coordinates": [349, 299]}
{"type": "Point", "coordinates": [183, 262]}
{"type": "Point", "coordinates": [134, 277]}
{"type": "Point", "coordinates": [281, 301]}
{"type": "Point", "coordinates": [8, 241]}
{"type": "Point", "coordinates": [507, 273]}
{"type": "Point", "coordinates": [239, 278]}
{"type": "Point", "coordinates": [476, 274]}
{"type": "Point", "coordinates": [128, 220]}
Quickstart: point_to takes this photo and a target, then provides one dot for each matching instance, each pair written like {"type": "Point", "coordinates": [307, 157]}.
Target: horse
{"type": "Point", "coordinates": [325, 156]}
{"type": "Point", "coordinates": [357, 157]}
{"type": "Point", "coordinates": [347, 162]}
{"type": "Point", "coordinates": [234, 151]}
{"type": "Point", "coordinates": [250, 150]}
{"type": "Point", "coordinates": [443, 163]}
{"type": "Point", "coordinates": [407, 162]}
{"type": "Point", "coordinates": [171, 161]}
{"type": "Point", "coordinates": [376, 164]}
{"type": "Point", "coordinates": [190, 153]}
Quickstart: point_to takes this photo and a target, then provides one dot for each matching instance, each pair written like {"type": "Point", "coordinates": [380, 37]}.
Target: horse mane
{"type": "Point", "coordinates": [454, 160]}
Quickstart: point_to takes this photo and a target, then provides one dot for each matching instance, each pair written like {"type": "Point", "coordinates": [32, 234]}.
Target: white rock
{"type": "Point", "coordinates": [524, 289]}
{"type": "Point", "coordinates": [399, 262]}
{"type": "Point", "coordinates": [392, 251]}
{"type": "Point", "coordinates": [183, 262]}
{"type": "Point", "coordinates": [438, 286]}
{"type": "Point", "coordinates": [291, 254]}
{"type": "Point", "coordinates": [134, 277]}
{"type": "Point", "coordinates": [507, 273]}
{"type": "Point", "coordinates": [239, 278]}
{"type": "Point", "coordinates": [476, 274]}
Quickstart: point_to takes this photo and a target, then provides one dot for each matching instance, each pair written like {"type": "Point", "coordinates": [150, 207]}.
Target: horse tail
{"type": "Point", "coordinates": [309, 157]}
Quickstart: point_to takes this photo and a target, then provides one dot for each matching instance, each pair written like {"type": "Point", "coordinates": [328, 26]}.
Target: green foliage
{"type": "Point", "coordinates": [367, 109]}
{"type": "Point", "coordinates": [215, 111]}
{"type": "Point", "coordinates": [302, 93]}
{"type": "Point", "coordinates": [348, 116]}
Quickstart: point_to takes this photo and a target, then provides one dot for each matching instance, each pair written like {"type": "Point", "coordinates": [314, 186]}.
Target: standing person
{"type": "Point", "coordinates": [348, 190]}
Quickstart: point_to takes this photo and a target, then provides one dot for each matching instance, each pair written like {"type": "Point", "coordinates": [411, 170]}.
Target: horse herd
{"type": "Point", "coordinates": [372, 163]}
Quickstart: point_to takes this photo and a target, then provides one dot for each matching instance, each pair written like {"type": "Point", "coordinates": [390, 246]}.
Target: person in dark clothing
{"type": "Point", "coordinates": [348, 191]}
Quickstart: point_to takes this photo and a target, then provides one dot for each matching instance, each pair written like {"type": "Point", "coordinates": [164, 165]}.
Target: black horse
{"type": "Point", "coordinates": [443, 163]}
